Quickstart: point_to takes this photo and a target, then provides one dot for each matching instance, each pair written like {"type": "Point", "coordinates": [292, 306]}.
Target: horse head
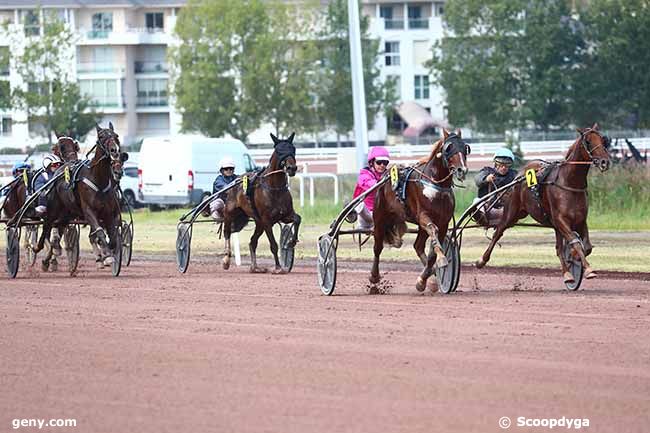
{"type": "Point", "coordinates": [594, 146]}
{"type": "Point", "coordinates": [454, 153]}
{"type": "Point", "coordinates": [285, 153]}
{"type": "Point", "coordinates": [108, 142]}
{"type": "Point", "coordinates": [67, 148]}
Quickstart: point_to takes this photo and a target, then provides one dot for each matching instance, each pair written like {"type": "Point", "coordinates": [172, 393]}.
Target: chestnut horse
{"type": "Point", "coordinates": [563, 203]}
{"type": "Point", "coordinates": [91, 196]}
{"type": "Point", "coordinates": [267, 200]}
{"type": "Point", "coordinates": [429, 202]}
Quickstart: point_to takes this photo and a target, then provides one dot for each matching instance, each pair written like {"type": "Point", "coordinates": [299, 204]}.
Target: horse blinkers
{"type": "Point", "coordinates": [602, 161]}
{"type": "Point", "coordinates": [454, 145]}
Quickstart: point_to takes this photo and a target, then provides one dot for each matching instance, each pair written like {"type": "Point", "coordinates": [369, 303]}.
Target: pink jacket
{"type": "Point", "coordinates": [367, 178]}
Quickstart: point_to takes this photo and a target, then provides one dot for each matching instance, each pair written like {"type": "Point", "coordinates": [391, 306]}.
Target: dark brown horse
{"type": "Point", "coordinates": [91, 196]}
{"type": "Point", "coordinates": [563, 203]}
{"type": "Point", "coordinates": [429, 202]}
{"type": "Point", "coordinates": [267, 201]}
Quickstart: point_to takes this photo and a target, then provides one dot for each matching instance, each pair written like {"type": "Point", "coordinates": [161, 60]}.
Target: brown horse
{"type": "Point", "coordinates": [91, 196]}
{"type": "Point", "coordinates": [267, 200]}
{"type": "Point", "coordinates": [563, 202]}
{"type": "Point", "coordinates": [428, 202]}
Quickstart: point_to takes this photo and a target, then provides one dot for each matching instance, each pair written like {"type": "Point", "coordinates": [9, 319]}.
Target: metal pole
{"type": "Point", "coordinates": [358, 89]}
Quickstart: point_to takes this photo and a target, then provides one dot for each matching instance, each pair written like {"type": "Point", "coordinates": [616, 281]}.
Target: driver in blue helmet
{"type": "Point", "coordinates": [491, 178]}
{"type": "Point", "coordinates": [17, 170]}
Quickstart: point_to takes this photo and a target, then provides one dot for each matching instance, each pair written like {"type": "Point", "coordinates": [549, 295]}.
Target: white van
{"type": "Point", "coordinates": [180, 169]}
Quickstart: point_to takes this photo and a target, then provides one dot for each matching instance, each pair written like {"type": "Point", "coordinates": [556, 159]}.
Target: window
{"type": "Point", "coordinates": [386, 12]}
{"type": "Point", "coordinates": [421, 87]}
{"type": "Point", "coordinates": [6, 126]}
{"type": "Point", "coordinates": [102, 93]}
{"type": "Point", "coordinates": [391, 53]}
{"type": "Point", "coordinates": [5, 94]}
{"type": "Point", "coordinates": [152, 93]}
{"type": "Point", "coordinates": [416, 21]}
{"type": "Point", "coordinates": [154, 21]}
{"type": "Point", "coordinates": [102, 25]}
{"type": "Point", "coordinates": [438, 9]}
{"type": "Point", "coordinates": [131, 172]}
{"type": "Point", "coordinates": [31, 21]}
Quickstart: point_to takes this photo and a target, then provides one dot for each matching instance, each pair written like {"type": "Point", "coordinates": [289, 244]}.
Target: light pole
{"type": "Point", "coordinates": [358, 89]}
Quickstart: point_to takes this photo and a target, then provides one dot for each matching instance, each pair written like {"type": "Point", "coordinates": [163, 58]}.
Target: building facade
{"type": "Point", "coordinates": [120, 61]}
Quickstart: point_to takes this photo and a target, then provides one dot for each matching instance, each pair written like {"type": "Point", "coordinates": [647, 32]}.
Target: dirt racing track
{"type": "Point", "coordinates": [157, 351]}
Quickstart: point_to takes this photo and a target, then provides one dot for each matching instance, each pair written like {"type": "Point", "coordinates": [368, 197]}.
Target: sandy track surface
{"type": "Point", "coordinates": [156, 351]}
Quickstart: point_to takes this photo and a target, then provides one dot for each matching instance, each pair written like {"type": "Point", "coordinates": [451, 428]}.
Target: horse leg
{"type": "Point", "coordinates": [511, 213]}
{"type": "Point", "coordinates": [560, 253]}
{"type": "Point", "coordinates": [55, 241]}
{"type": "Point", "coordinates": [98, 236]}
{"type": "Point", "coordinates": [252, 246]}
{"type": "Point", "coordinates": [96, 251]}
{"type": "Point", "coordinates": [563, 226]}
{"type": "Point", "coordinates": [435, 257]}
{"type": "Point", "coordinates": [419, 245]}
{"type": "Point", "coordinates": [47, 229]}
{"type": "Point", "coordinates": [583, 231]}
{"type": "Point", "coordinates": [45, 263]}
{"type": "Point", "coordinates": [113, 233]}
{"type": "Point", "coordinates": [297, 219]}
{"type": "Point", "coordinates": [227, 253]}
{"type": "Point", "coordinates": [379, 247]}
{"type": "Point", "coordinates": [274, 250]}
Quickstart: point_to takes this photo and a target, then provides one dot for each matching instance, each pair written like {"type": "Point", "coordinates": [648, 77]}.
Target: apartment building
{"type": "Point", "coordinates": [120, 61]}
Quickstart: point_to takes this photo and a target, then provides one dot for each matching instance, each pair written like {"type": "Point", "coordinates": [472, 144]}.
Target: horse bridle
{"type": "Point", "coordinates": [452, 145]}
{"type": "Point", "coordinates": [588, 146]}
{"type": "Point", "coordinates": [64, 137]}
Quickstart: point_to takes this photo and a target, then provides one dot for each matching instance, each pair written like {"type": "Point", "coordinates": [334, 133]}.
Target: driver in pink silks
{"type": "Point", "coordinates": [378, 159]}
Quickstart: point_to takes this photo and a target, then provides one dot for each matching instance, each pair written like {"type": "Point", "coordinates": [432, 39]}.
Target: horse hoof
{"type": "Point", "coordinates": [54, 266]}
{"type": "Point", "coordinates": [258, 270]}
{"type": "Point", "coordinates": [280, 271]}
{"type": "Point", "coordinates": [45, 266]}
{"type": "Point", "coordinates": [568, 278]}
{"type": "Point", "coordinates": [225, 264]}
{"type": "Point", "coordinates": [432, 285]}
{"type": "Point", "coordinates": [420, 285]}
{"type": "Point", "coordinates": [442, 262]}
{"type": "Point", "coordinates": [589, 274]}
{"type": "Point", "coordinates": [108, 261]}
{"type": "Point", "coordinates": [480, 263]}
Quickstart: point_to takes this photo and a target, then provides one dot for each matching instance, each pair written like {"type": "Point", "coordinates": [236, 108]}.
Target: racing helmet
{"type": "Point", "coordinates": [50, 159]}
{"type": "Point", "coordinates": [378, 152]}
{"type": "Point", "coordinates": [226, 162]}
{"type": "Point", "coordinates": [504, 156]}
{"type": "Point", "coordinates": [20, 166]}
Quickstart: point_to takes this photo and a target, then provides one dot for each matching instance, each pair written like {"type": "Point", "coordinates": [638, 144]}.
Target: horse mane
{"type": "Point", "coordinates": [572, 148]}
{"type": "Point", "coordinates": [436, 148]}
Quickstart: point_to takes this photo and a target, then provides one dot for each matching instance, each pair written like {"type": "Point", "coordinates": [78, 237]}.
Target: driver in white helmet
{"type": "Point", "coordinates": [50, 163]}
{"type": "Point", "coordinates": [227, 170]}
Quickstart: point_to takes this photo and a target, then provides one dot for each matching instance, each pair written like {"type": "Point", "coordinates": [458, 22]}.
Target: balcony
{"type": "Point", "coordinates": [129, 36]}
{"type": "Point", "coordinates": [98, 34]}
{"type": "Point", "coordinates": [106, 101]}
{"type": "Point", "coordinates": [393, 24]}
{"type": "Point", "coordinates": [418, 23]}
{"type": "Point", "coordinates": [98, 68]}
{"type": "Point", "coordinates": [142, 67]}
{"type": "Point", "coordinates": [153, 100]}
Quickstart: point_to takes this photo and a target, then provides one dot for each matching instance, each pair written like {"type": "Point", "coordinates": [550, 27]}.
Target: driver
{"type": "Point", "coordinates": [378, 159]}
{"type": "Point", "coordinates": [51, 163]}
{"type": "Point", "coordinates": [226, 176]}
{"type": "Point", "coordinates": [491, 178]}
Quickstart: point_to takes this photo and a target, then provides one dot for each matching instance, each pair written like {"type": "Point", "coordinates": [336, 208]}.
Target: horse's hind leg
{"type": "Point", "coordinates": [510, 215]}
{"type": "Point", "coordinates": [564, 228]}
{"type": "Point", "coordinates": [420, 244]}
{"type": "Point", "coordinates": [583, 231]}
{"type": "Point", "coordinates": [253, 248]}
{"type": "Point", "coordinates": [559, 249]}
{"type": "Point", "coordinates": [227, 253]}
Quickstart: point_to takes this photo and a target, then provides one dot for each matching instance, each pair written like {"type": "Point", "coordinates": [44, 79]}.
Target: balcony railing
{"type": "Point", "coordinates": [418, 23]}
{"type": "Point", "coordinates": [152, 101]}
{"type": "Point", "coordinates": [98, 67]}
{"type": "Point", "coordinates": [145, 29]}
{"type": "Point", "coordinates": [98, 34]}
{"type": "Point", "coordinates": [393, 24]}
{"type": "Point", "coordinates": [106, 101]}
{"type": "Point", "coordinates": [141, 67]}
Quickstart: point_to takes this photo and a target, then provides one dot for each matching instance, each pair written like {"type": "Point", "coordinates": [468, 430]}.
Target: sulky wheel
{"type": "Point", "coordinates": [116, 266]}
{"type": "Point", "coordinates": [31, 238]}
{"type": "Point", "coordinates": [575, 266]}
{"type": "Point", "coordinates": [13, 251]}
{"type": "Point", "coordinates": [448, 276]}
{"type": "Point", "coordinates": [127, 242]}
{"type": "Point", "coordinates": [287, 246]}
{"type": "Point", "coordinates": [327, 263]}
{"type": "Point", "coordinates": [71, 239]}
{"type": "Point", "coordinates": [183, 242]}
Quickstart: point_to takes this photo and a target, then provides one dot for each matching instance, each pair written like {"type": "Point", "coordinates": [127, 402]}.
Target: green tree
{"type": "Point", "coordinates": [615, 83]}
{"type": "Point", "coordinates": [510, 63]}
{"type": "Point", "coordinates": [49, 95]}
{"type": "Point", "coordinates": [335, 92]}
